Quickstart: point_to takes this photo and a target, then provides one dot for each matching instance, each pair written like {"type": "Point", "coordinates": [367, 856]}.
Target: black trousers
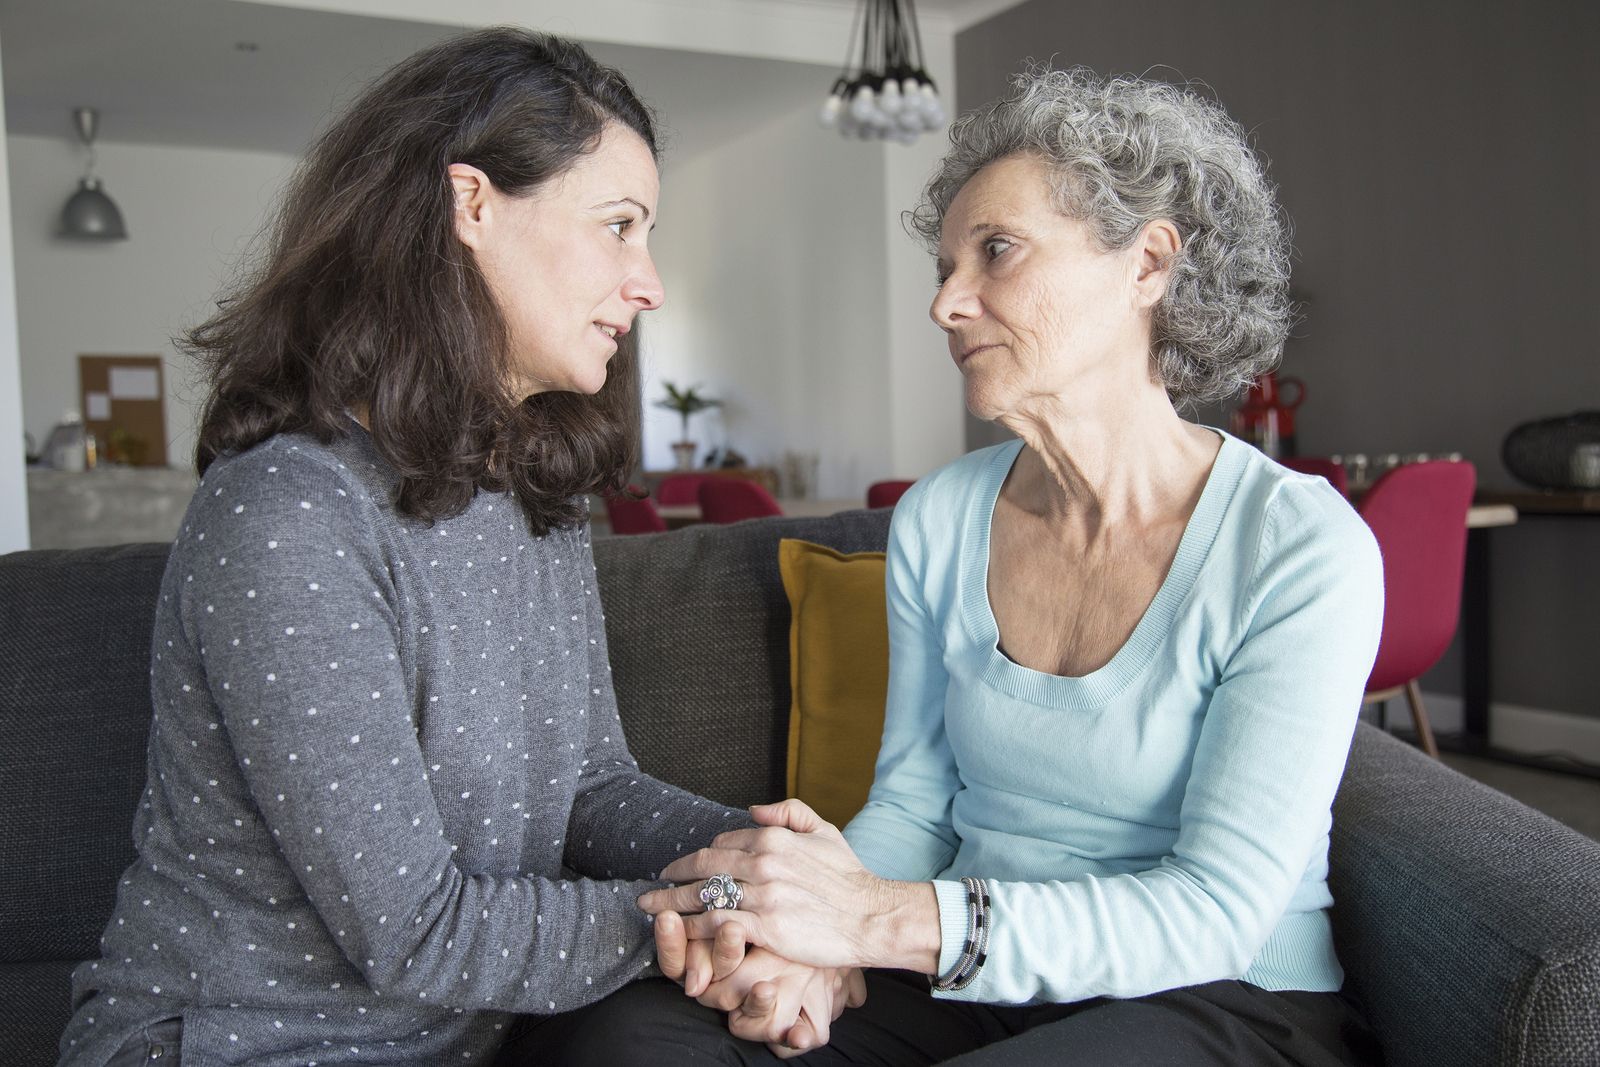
{"type": "Point", "coordinates": [158, 1043]}
{"type": "Point", "coordinates": [1225, 1024]}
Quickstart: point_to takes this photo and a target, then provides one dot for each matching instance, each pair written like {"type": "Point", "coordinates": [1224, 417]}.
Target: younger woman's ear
{"type": "Point", "coordinates": [471, 190]}
{"type": "Point", "coordinates": [1158, 244]}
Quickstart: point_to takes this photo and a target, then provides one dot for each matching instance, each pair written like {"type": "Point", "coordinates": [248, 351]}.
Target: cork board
{"type": "Point", "coordinates": [124, 402]}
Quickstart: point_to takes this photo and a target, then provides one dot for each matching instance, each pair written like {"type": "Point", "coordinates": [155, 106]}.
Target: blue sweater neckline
{"type": "Point", "coordinates": [1095, 689]}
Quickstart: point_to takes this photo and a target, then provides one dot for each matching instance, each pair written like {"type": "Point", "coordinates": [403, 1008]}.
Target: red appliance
{"type": "Point", "coordinates": [1266, 418]}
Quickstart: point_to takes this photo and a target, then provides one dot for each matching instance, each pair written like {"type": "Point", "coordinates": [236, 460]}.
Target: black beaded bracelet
{"type": "Point", "coordinates": [975, 950]}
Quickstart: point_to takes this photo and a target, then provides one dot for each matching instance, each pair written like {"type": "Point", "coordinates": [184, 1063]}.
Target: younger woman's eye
{"type": "Point", "coordinates": [619, 226]}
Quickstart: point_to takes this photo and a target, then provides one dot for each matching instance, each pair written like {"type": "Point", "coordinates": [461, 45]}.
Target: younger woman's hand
{"type": "Point", "coordinates": [696, 964]}
{"type": "Point", "coordinates": [788, 1006]}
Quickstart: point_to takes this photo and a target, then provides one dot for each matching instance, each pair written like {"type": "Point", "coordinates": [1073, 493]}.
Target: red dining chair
{"type": "Point", "coordinates": [886, 494]}
{"type": "Point", "coordinates": [1418, 513]}
{"type": "Point", "coordinates": [1323, 468]}
{"type": "Point", "coordinates": [629, 514]}
{"type": "Point", "coordinates": [677, 489]}
{"type": "Point", "coordinates": [725, 500]}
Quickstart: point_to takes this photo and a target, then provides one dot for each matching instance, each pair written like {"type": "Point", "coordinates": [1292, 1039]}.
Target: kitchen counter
{"type": "Point", "coordinates": [106, 506]}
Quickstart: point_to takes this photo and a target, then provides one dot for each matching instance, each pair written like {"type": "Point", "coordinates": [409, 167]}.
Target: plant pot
{"type": "Point", "coordinates": [683, 455]}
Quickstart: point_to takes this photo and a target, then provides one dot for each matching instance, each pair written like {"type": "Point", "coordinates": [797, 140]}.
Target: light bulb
{"type": "Point", "coordinates": [862, 105]}
{"type": "Point", "coordinates": [889, 97]}
{"type": "Point", "coordinates": [828, 114]}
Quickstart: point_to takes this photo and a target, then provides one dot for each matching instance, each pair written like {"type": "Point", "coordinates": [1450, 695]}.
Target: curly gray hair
{"type": "Point", "coordinates": [1124, 152]}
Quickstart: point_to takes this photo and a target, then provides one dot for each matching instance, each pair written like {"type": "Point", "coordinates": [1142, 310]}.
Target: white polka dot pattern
{"type": "Point", "coordinates": [380, 752]}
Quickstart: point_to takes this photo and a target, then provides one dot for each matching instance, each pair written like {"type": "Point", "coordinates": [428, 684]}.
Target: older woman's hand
{"type": "Point", "coordinates": [806, 896]}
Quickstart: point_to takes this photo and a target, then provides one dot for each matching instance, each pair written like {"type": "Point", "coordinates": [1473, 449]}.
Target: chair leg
{"type": "Point", "coordinates": [1419, 716]}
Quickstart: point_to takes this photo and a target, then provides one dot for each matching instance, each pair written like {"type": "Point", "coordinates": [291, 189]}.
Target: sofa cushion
{"type": "Point", "coordinates": [698, 628]}
{"type": "Point", "coordinates": [838, 674]}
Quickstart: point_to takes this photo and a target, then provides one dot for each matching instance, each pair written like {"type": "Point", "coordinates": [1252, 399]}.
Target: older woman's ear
{"type": "Point", "coordinates": [472, 191]}
{"type": "Point", "coordinates": [1156, 246]}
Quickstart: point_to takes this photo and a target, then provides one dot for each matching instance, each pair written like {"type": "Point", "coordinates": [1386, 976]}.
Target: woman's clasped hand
{"type": "Point", "coordinates": [787, 962]}
{"type": "Point", "coordinates": [805, 894]}
{"type": "Point", "coordinates": [787, 1006]}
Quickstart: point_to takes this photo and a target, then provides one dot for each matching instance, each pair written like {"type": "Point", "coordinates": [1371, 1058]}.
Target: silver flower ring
{"type": "Point", "coordinates": [721, 892]}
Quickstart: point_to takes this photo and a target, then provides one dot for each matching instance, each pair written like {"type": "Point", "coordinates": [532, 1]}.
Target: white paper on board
{"type": "Point", "coordinates": [98, 405]}
{"type": "Point", "coordinates": [135, 383]}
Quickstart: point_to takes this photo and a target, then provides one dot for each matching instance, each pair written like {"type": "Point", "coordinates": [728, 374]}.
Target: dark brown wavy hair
{"type": "Point", "coordinates": [364, 297]}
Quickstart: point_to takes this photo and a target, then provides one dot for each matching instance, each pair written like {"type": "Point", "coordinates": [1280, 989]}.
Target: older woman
{"type": "Point", "coordinates": [1127, 651]}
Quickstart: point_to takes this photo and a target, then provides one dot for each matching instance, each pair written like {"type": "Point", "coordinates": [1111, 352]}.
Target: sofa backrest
{"type": "Point", "coordinates": [698, 627]}
{"type": "Point", "coordinates": [74, 717]}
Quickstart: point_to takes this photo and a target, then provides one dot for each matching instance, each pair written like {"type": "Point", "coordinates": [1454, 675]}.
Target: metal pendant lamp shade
{"type": "Point", "coordinates": [89, 214]}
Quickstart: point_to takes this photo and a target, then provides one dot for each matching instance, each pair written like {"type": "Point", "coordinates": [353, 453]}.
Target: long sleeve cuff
{"type": "Point", "coordinates": [953, 913]}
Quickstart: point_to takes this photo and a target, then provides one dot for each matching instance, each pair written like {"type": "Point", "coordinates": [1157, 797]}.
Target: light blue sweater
{"type": "Point", "coordinates": [1162, 821]}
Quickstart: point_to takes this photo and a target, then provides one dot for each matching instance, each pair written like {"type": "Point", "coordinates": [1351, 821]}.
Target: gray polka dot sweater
{"type": "Point", "coordinates": [389, 798]}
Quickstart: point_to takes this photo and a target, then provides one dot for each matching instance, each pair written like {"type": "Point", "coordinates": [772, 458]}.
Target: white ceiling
{"type": "Point", "coordinates": [171, 72]}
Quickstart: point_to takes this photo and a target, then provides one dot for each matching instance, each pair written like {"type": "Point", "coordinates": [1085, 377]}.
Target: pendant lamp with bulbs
{"type": "Point", "coordinates": [886, 94]}
{"type": "Point", "coordinates": [89, 214]}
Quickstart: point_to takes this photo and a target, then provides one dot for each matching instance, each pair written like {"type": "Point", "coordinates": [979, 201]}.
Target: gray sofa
{"type": "Point", "coordinates": [1469, 924]}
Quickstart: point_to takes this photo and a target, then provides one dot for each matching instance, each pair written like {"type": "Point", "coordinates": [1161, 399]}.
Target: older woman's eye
{"type": "Point", "coordinates": [994, 246]}
{"type": "Point", "coordinates": [619, 226]}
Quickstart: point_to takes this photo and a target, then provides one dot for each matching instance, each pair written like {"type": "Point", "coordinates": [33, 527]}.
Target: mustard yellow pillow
{"type": "Point", "coordinates": [838, 672]}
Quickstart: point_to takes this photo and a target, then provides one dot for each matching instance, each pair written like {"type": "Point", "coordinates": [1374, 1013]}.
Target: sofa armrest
{"type": "Point", "coordinates": [1468, 923]}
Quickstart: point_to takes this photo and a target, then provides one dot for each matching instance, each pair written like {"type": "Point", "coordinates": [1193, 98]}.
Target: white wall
{"type": "Point", "coordinates": [13, 478]}
{"type": "Point", "coordinates": [926, 405]}
{"type": "Point", "coordinates": [190, 214]}
{"type": "Point", "coordinates": [772, 253]}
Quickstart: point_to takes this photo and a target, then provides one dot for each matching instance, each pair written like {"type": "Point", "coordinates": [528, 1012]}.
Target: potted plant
{"type": "Point", "coordinates": [685, 402]}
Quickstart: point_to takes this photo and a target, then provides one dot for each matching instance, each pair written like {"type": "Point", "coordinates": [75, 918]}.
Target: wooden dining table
{"type": "Point", "coordinates": [678, 516]}
{"type": "Point", "coordinates": [1476, 606]}
{"type": "Point", "coordinates": [1482, 516]}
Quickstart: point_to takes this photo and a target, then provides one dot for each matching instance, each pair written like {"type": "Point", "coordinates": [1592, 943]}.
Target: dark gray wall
{"type": "Point", "coordinates": [1439, 161]}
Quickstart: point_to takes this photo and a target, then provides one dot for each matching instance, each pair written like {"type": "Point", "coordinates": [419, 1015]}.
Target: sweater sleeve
{"type": "Point", "coordinates": [292, 611]}
{"type": "Point", "coordinates": [625, 823]}
{"type": "Point", "coordinates": [1257, 802]}
{"type": "Point", "coordinates": [904, 831]}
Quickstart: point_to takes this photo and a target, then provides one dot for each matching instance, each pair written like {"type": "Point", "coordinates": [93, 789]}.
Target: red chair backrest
{"type": "Point", "coordinates": [680, 488]}
{"type": "Point", "coordinates": [630, 516]}
{"type": "Point", "coordinates": [1418, 513]}
{"type": "Point", "coordinates": [1323, 468]}
{"type": "Point", "coordinates": [735, 499]}
{"type": "Point", "coordinates": [886, 494]}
